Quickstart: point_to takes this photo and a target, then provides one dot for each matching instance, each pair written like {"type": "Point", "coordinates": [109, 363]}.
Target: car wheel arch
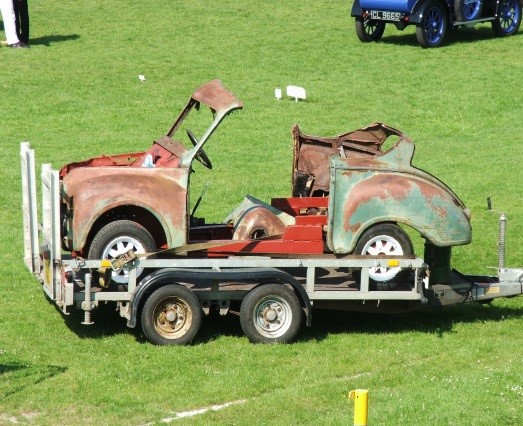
{"type": "Point", "coordinates": [143, 215]}
{"type": "Point", "coordinates": [421, 6]}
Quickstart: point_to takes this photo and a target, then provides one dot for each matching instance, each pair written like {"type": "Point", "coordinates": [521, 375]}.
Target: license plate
{"type": "Point", "coordinates": [383, 15]}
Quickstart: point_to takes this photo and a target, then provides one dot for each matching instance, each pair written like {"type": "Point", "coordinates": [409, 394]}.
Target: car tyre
{"type": "Point", "coordinates": [508, 18]}
{"type": "Point", "coordinates": [431, 31]}
{"type": "Point", "coordinates": [386, 239]}
{"type": "Point", "coordinates": [369, 30]}
{"type": "Point", "coordinates": [119, 237]}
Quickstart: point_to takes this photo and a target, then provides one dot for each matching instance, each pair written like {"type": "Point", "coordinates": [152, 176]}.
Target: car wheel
{"type": "Point", "coordinates": [431, 31]}
{"type": "Point", "coordinates": [508, 18]}
{"type": "Point", "coordinates": [172, 315]}
{"type": "Point", "coordinates": [117, 238]}
{"type": "Point", "coordinates": [467, 10]}
{"type": "Point", "coordinates": [369, 30]}
{"type": "Point", "coordinates": [386, 239]}
{"type": "Point", "coordinates": [270, 313]}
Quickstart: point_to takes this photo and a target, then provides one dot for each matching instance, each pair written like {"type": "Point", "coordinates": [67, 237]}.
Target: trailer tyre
{"type": "Point", "coordinates": [270, 313]}
{"type": "Point", "coordinates": [119, 237]}
{"type": "Point", "coordinates": [386, 239]}
{"type": "Point", "coordinates": [172, 315]}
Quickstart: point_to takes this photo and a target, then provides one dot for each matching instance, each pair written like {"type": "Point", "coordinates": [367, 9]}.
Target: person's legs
{"type": "Point", "coordinates": [8, 16]}
{"type": "Point", "coordinates": [22, 20]}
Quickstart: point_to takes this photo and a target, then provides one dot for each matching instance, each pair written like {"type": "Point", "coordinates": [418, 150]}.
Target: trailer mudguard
{"type": "Point", "coordinates": [166, 276]}
{"type": "Point", "coordinates": [365, 192]}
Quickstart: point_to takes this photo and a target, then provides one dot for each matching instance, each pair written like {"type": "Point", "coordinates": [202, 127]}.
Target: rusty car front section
{"type": "Point", "coordinates": [147, 195]}
{"type": "Point", "coordinates": [150, 187]}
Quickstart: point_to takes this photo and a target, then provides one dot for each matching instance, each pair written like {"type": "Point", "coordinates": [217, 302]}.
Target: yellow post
{"type": "Point", "coordinates": [361, 406]}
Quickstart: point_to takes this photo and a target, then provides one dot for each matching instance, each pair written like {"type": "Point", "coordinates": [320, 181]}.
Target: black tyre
{"type": "Point", "coordinates": [431, 31]}
{"type": "Point", "coordinates": [386, 239]}
{"type": "Point", "coordinates": [270, 313]}
{"type": "Point", "coordinates": [172, 315]}
{"type": "Point", "coordinates": [468, 10]}
{"type": "Point", "coordinates": [508, 18]}
{"type": "Point", "coordinates": [119, 237]}
{"type": "Point", "coordinates": [369, 30]}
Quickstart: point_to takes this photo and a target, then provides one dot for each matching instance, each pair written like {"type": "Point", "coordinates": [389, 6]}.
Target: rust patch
{"type": "Point", "coordinates": [311, 156]}
{"type": "Point", "coordinates": [258, 222]}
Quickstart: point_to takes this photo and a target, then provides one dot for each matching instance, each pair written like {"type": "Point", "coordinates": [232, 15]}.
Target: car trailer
{"type": "Point", "coordinates": [273, 293]}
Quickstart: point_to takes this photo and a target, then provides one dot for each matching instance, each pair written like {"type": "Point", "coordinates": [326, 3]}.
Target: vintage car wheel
{"type": "Point", "coordinates": [119, 237]}
{"type": "Point", "coordinates": [508, 18]}
{"type": "Point", "coordinates": [369, 30]}
{"type": "Point", "coordinates": [430, 32]}
{"type": "Point", "coordinates": [386, 239]}
{"type": "Point", "coordinates": [172, 315]}
{"type": "Point", "coordinates": [270, 313]}
{"type": "Point", "coordinates": [467, 10]}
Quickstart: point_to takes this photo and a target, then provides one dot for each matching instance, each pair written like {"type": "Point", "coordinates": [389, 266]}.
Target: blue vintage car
{"type": "Point", "coordinates": [434, 17]}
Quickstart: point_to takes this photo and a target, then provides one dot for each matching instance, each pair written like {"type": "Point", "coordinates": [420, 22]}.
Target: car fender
{"type": "Point", "coordinates": [364, 197]}
{"type": "Point", "coordinates": [356, 9]}
{"type": "Point", "coordinates": [419, 8]}
{"type": "Point", "coordinates": [93, 192]}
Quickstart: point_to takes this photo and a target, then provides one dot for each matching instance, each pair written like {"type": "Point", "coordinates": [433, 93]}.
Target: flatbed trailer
{"type": "Point", "coordinates": [271, 292]}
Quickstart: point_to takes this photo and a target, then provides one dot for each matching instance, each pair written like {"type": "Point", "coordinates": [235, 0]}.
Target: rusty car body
{"type": "Point", "coordinates": [149, 188]}
{"type": "Point", "coordinates": [348, 195]}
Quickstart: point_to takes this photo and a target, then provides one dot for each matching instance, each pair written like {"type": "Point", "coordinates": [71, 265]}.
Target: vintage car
{"type": "Point", "coordinates": [348, 197]}
{"type": "Point", "coordinates": [433, 18]}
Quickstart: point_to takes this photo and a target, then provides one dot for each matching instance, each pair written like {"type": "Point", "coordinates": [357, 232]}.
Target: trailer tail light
{"type": "Point", "coordinates": [68, 276]}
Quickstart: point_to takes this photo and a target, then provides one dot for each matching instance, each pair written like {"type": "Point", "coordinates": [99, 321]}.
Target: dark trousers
{"type": "Point", "coordinates": [22, 20]}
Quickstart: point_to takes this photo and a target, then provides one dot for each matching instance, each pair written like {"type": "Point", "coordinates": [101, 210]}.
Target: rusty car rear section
{"type": "Point", "coordinates": [119, 229]}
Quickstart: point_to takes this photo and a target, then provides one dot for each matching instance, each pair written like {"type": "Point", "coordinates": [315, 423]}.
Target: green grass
{"type": "Point", "coordinates": [76, 94]}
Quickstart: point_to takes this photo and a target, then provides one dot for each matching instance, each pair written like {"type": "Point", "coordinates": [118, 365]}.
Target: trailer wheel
{"type": "Point", "coordinates": [171, 316]}
{"type": "Point", "coordinates": [270, 313]}
{"type": "Point", "coordinates": [386, 239]}
{"type": "Point", "coordinates": [430, 32]}
{"type": "Point", "coordinates": [119, 237]}
{"type": "Point", "coordinates": [369, 30]}
{"type": "Point", "coordinates": [508, 18]}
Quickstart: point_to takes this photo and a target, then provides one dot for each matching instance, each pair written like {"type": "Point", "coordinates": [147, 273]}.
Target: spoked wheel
{"type": "Point", "coordinates": [369, 30]}
{"type": "Point", "coordinates": [430, 32]}
{"type": "Point", "coordinates": [171, 316]}
{"type": "Point", "coordinates": [385, 239]}
{"type": "Point", "coordinates": [117, 238]}
{"type": "Point", "coordinates": [270, 313]}
{"type": "Point", "coordinates": [508, 18]}
{"type": "Point", "coordinates": [467, 10]}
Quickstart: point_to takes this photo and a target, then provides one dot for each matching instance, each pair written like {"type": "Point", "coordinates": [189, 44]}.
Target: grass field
{"type": "Point", "coordinates": [75, 94]}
